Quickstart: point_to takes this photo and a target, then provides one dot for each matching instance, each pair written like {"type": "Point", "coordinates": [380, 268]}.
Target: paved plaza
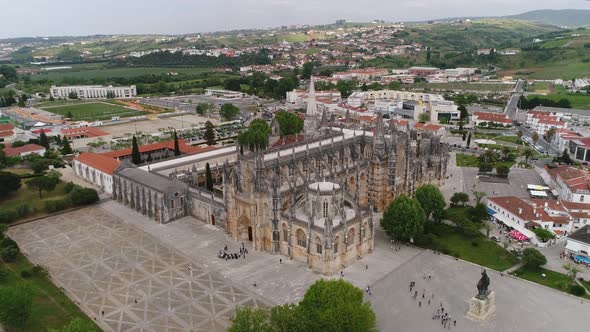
{"type": "Point", "coordinates": [521, 306]}
{"type": "Point", "coordinates": [465, 179]}
{"type": "Point", "coordinates": [108, 266]}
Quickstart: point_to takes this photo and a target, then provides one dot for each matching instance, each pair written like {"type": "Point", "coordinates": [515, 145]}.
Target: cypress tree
{"type": "Point", "coordinates": [176, 146]}
{"type": "Point", "coordinates": [209, 133]}
{"type": "Point", "coordinates": [468, 140]}
{"type": "Point", "coordinates": [66, 148]}
{"type": "Point", "coordinates": [43, 140]}
{"type": "Point", "coordinates": [135, 155]}
{"type": "Point", "coordinates": [208, 178]}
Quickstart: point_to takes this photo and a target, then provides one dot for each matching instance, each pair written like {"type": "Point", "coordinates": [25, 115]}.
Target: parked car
{"type": "Point", "coordinates": [494, 238]}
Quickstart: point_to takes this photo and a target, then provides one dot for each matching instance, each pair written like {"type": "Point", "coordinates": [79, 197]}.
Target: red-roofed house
{"type": "Point", "coordinates": [526, 215]}
{"type": "Point", "coordinates": [80, 137]}
{"type": "Point", "coordinates": [571, 184]}
{"type": "Point", "coordinates": [23, 151]}
{"type": "Point", "coordinates": [7, 133]}
{"type": "Point", "coordinates": [496, 118]}
{"type": "Point", "coordinates": [97, 169]}
{"type": "Point", "coordinates": [436, 129]}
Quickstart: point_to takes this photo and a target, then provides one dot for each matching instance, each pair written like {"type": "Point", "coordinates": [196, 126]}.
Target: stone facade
{"type": "Point", "coordinates": [311, 200]}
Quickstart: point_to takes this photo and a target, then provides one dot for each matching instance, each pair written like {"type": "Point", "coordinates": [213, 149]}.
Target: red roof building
{"type": "Point", "coordinates": [24, 150]}
{"type": "Point", "coordinates": [82, 132]}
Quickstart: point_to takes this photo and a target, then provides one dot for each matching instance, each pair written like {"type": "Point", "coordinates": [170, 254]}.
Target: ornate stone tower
{"type": "Point", "coordinates": [312, 116]}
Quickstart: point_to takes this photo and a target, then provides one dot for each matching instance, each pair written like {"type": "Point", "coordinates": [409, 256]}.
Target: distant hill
{"type": "Point", "coordinates": [564, 17]}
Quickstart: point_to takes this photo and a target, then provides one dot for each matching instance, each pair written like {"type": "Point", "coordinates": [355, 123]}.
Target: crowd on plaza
{"type": "Point", "coordinates": [446, 320]}
{"type": "Point", "coordinates": [223, 254]}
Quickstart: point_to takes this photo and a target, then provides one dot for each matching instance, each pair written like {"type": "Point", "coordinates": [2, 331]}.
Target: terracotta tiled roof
{"type": "Point", "coordinates": [183, 145]}
{"type": "Point", "coordinates": [6, 126]}
{"type": "Point", "coordinates": [492, 117]}
{"type": "Point", "coordinates": [100, 162]}
{"type": "Point", "coordinates": [582, 234]}
{"type": "Point", "coordinates": [6, 133]}
{"type": "Point", "coordinates": [14, 152]}
{"type": "Point", "coordinates": [513, 204]}
{"type": "Point", "coordinates": [85, 131]}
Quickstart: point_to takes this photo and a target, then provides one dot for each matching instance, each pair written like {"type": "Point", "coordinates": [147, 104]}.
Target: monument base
{"type": "Point", "coordinates": [482, 309]}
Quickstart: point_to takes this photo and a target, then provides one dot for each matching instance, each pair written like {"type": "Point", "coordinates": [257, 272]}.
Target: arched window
{"type": "Point", "coordinates": [351, 237]}
{"type": "Point", "coordinates": [582, 198]}
{"type": "Point", "coordinates": [325, 209]}
{"type": "Point", "coordinates": [301, 241]}
{"type": "Point", "coordinates": [318, 245]}
{"type": "Point", "coordinates": [285, 233]}
{"type": "Point", "coordinates": [336, 241]}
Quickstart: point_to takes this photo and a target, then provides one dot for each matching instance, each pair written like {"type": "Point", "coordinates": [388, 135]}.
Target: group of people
{"type": "Point", "coordinates": [440, 313]}
{"type": "Point", "coordinates": [223, 254]}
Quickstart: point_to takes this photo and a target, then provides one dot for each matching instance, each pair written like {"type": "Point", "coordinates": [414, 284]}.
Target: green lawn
{"type": "Point", "coordinates": [51, 309]}
{"type": "Point", "coordinates": [464, 160]}
{"type": "Point", "coordinates": [581, 101]}
{"type": "Point", "coordinates": [552, 279]}
{"type": "Point", "coordinates": [26, 195]}
{"type": "Point", "coordinates": [93, 111]}
{"type": "Point", "coordinates": [475, 249]}
{"type": "Point", "coordinates": [510, 139]}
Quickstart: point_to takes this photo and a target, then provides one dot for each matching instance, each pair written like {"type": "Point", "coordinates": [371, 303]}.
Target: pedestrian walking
{"type": "Point", "coordinates": [419, 304]}
{"type": "Point", "coordinates": [280, 261]}
{"type": "Point", "coordinates": [342, 273]}
{"type": "Point", "coordinates": [455, 322]}
{"type": "Point", "coordinates": [429, 302]}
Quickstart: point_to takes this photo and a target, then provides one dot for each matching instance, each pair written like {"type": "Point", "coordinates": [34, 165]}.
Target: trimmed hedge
{"type": "Point", "coordinates": [56, 205]}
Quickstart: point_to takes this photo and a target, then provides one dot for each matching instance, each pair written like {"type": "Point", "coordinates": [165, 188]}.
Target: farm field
{"type": "Point", "coordinates": [93, 111]}
{"type": "Point", "coordinates": [581, 101]}
{"type": "Point", "coordinates": [496, 87]}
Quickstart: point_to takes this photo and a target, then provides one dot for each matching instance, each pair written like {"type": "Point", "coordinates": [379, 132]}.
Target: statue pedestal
{"type": "Point", "coordinates": [482, 309]}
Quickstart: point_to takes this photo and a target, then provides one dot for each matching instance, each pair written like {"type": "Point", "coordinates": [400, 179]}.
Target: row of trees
{"type": "Point", "coordinates": [328, 305]}
{"type": "Point", "coordinates": [168, 59]}
{"type": "Point", "coordinates": [289, 123]}
{"type": "Point", "coordinates": [529, 104]}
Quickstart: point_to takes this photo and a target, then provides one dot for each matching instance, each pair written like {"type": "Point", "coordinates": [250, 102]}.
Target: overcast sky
{"type": "Point", "coordinates": [20, 18]}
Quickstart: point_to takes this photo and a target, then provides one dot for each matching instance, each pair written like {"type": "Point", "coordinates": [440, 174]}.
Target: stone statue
{"type": "Point", "coordinates": [483, 285]}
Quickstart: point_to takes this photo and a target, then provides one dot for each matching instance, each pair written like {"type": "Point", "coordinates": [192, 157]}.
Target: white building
{"type": "Point", "coordinates": [570, 184]}
{"type": "Point", "coordinates": [300, 96]}
{"type": "Point", "coordinates": [225, 94]}
{"type": "Point", "coordinates": [93, 91]}
{"type": "Point", "coordinates": [96, 169]}
{"type": "Point", "coordinates": [526, 215]}
{"type": "Point", "coordinates": [578, 245]}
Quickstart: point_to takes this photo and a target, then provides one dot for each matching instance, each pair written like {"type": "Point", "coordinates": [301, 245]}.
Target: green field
{"type": "Point", "coordinates": [31, 197]}
{"type": "Point", "coordinates": [93, 111]}
{"type": "Point", "coordinates": [580, 101]}
{"type": "Point", "coordinates": [51, 308]}
{"type": "Point", "coordinates": [95, 72]}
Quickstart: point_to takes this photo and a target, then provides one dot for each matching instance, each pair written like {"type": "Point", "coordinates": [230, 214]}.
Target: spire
{"type": "Point", "coordinates": [312, 107]}
{"type": "Point", "coordinates": [380, 129]}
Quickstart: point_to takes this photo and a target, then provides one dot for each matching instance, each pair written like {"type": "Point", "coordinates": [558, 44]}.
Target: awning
{"type": "Point", "coordinates": [491, 212]}
{"type": "Point", "coordinates": [518, 235]}
{"type": "Point", "coordinates": [582, 259]}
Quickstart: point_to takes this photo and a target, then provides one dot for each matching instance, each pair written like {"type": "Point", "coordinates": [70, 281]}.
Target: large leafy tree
{"type": "Point", "coordinates": [43, 183]}
{"type": "Point", "coordinates": [9, 183]}
{"type": "Point", "coordinates": [248, 319]}
{"type": "Point", "coordinates": [528, 153]}
{"type": "Point", "coordinates": [307, 70]}
{"type": "Point", "coordinates": [289, 123]}
{"type": "Point", "coordinates": [135, 155]}
{"type": "Point", "coordinates": [431, 200]}
{"type": "Point", "coordinates": [404, 218]}
{"type": "Point", "coordinates": [459, 198]}
{"type": "Point", "coordinates": [229, 111]}
{"type": "Point", "coordinates": [15, 305]}
{"type": "Point", "coordinates": [256, 137]}
{"type": "Point", "coordinates": [209, 133]}
{"type": "Point", "coordinates": [336, 305]}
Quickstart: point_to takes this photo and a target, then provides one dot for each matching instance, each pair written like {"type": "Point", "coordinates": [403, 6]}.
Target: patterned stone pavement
{"type": "Point", "coordinates": [107, 265]}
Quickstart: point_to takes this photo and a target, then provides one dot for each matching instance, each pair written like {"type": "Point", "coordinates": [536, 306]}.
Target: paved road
{"type": "Point", "coordinates": [541, 142]}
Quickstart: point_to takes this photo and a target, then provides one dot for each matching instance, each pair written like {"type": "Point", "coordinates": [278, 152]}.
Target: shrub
{"type": "Point", "coordinates": [3, 275]}
{"type": "Point", "coordinates": [56, 205]}
{"type": "Point", "coordinates": [577, 290]}
{"type": "Point", "coordinates": [26, 274]}
{"type": "Point", "coordinates": [533, 258]}
{"type": "Point", "coordinates": [24, 210]}
{"type": "Point", "coordinates": [38, 270]}
{"type": "Point", "coordinates": [8, 215]}
{"type": "Point", "coordinates": [83, 196]}
{"type": "Point", "coordinates": [7, 243]}
{"type": "Point", "coordinates": [68, 187]}
{"type": "Point", "coordinates": [9, 254]}
{"type": "Point", "coordinates": [474, 244]}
